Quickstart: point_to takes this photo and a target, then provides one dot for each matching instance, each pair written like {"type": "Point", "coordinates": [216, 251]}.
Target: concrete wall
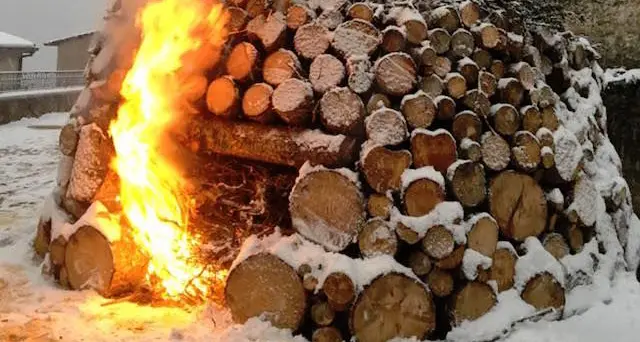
{"type": "Point", "coordinates": [72, 53]}
{"type": "Point", "coordinates": [17, 105]}
{"type": "Point", "coordinates": [612, 25]}
{"type": "Point", "coordinates": [10, 60]}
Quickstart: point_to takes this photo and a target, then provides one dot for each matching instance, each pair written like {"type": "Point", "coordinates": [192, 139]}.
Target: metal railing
{"type": "Point", "coordinates": [38, 80]}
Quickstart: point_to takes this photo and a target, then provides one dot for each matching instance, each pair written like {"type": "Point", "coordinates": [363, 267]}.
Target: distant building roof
{"type": "Point", "coordinates": [57, 42]}
{"type": "Point", "coordinates": [13, 42]}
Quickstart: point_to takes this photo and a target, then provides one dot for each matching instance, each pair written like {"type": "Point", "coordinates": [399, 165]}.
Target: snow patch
{"type": "Point", "coordinates": [537, 260]}
{"type": "Point", "coordinates": [472, 260]}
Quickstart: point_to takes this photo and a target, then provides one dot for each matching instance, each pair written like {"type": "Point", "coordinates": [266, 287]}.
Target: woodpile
{"type": "Point", "coordinates": [425, 134]}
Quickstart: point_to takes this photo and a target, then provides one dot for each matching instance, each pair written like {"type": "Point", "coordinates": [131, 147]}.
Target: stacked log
{"type": "Point", "coordinates": [428, 136]}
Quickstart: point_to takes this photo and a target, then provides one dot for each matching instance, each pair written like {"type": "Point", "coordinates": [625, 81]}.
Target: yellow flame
{"type": "Point", "coordinates": [180, 41]}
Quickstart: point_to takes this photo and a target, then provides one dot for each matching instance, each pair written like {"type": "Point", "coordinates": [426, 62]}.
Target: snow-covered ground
{"type": "Point", "coordinates": [33, 309]}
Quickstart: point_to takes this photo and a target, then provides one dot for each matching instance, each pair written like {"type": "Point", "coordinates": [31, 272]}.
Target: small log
{"type": "Point", "coordinates": [342, 112]}
{"type": "Point", "coordinates": [420, 263]}
{"type": "Point", "coordinates": [257, 7]}
{"type": "Point", "coordinates": [238, 19]}
{"type": "Point", "coordinates": [445, 17]}
{"type": "Point", "coordinates": [418, 109]}
{"type": "Point", "coordinates": [256, 103]}
{"type": "Point", "coordinates": [269, 30]}
{"type": "Point", "coordinates": [515, 45]}
{"type": "Point", "coordinates": [503, 42]}
{"type": "Point", "coordinates": [525, 152]}
{"type": "Point", "coordinates": [453, 261]}
{"type": "Point", "coordinates": [425, 55]}
{"type": "Point", "coordinates": [441, 67]}
{"type": "Point", "coordinates": [432, 85]}
{"type": "Point", "coordinates": [394, 39]}
{"type": "Point", "coordinates": [360, 10]}
{"type": "Point", "coordinates": [276, 145]}
{"type": "Point", "coordinates": [421, 196]}
{"type": "Point", "coordinates": [498, 68]}
{"type": "Point", "coordinates": [469, 70]}
{"type": "Point", "coordinates": [322, 314]}
{"type": "Point", "coordinates": [413, 23]}
{"type": "Point", "coordinates": [433, 148]}
{"type": "Point", "coordinates": [505, 118]}
{"type": "Point", "coordinates": [242, 62]}
{"type": "Point", "coordinates": [377, 101]}
{"type": "Point", "coordinates": [445, 107]}
{"type": "Point", "coordinates": [438, 242]}
{"type": "Point", "coordinates": [483, 236]}
{"type": "Point", "coordinates": [486, 35]}
{"type": "Point", "coordinates": [550, 119]}
{"type": "Point", "coordinates": [377, 238]}
{"type": "Point", "coordinates": [386, 127]}
{"type": "Point", "coordinates": [487, 83]}
{"type": "Point", "coordinates": [555, 244]}
{"type": "Point", "coordinates": [327, 208]}
{"type": "Point", "coordinates": [280, 66]}
{"type": "Point", "coordinates": [468, 182]}
{"type": "Point", "coordinates": [510, 91]}
{"type": "Point", "coordinates": [545, 137]}
{"type": "Point", "coordinates": [395, 73]}
{"type": "Point", "coordinates": [503, 268]}
{"type": "Point", "coordinates": [293, 101]}
{"type": "Point", "coordinates": [531, 118]}
{"type": "Point", "coordinates": [466, 124]}
{"type": "Point", "coordinates": [518, 204]}
{"type": "Point", "coordinates": [483, 59]}
{"type": "Point", "coordinates": [309, 282]}
{"type": "Point", "coordinates": [456, 85]}
{"type": "Point", "coordinates": [575, 237]}
{"type": "Point", "coordinates": [330, 19]}
{"type": "Point", "coordinates": [407, 234]}
{"type": "Point", "coordinates": [360, 77]}
{"type": "Point", "coordinates": [470, 150]}
{"type": "Point", "coordinates": [469, 13]}
{"type": "Point", "coordinates": [393, 305]}
{"type": "Point", "coordinates": [523, 72]}
{"type": "Point", "coordinates": [478, 102]}
{"type": "Point", "coordinates": [462, 43]}
{"type": "Point", "coordinates": [278, 283]}
{"type": "Point", "coordinates": [383, 168]}
{"type": "Point", "coordinates": [356, 37]}
{"type": "Point", "coordinates": [495, 151]}
{"type": "Point", "coordinates": [326, 72]}
{"type": "Point", "coordinates": [472, 301]}
{"type": "Point", "coordinates": [298, 15]}
{"type": "Point", "coordinates": [223, 97]}
{"type": "Point", "coordinates": [440, 282]}
{"type": "Point", "coordinates": [542, 96]}
{"type": "Point", "coordinates": [326, 334]}
{"type": "Point", "coordinates": [68, 139]}
{"type": "Point", "coordinates": [379, 205]}
{"type": "Point", "coordinates": [340, 290]}
{"type": "Point", "coordinates": [543, 291]}
{"type": "Point", "coordinates": [548, 157]}
{"type": "Point", "coordinates": [110, 268]}
{"type": "Point", "coordinates": [311, 40]}
{"type": "Point", "coordinates": [440, 40]}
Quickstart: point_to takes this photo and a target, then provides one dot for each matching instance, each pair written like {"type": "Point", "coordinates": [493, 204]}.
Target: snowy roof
{"type": "Point", "coordinates": [57, 42]}
{"type": "Point", "coordinates": [14, 42]}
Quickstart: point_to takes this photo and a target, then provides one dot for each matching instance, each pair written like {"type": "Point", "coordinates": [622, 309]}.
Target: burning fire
{"type": "Point", "coordinates": [181, 40]}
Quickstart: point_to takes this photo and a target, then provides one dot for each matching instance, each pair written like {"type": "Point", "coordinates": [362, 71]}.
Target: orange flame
{"type": "Point", "coordinates": [181, 39]}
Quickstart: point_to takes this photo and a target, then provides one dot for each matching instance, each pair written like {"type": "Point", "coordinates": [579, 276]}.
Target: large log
{"type": "Point", "coordinates": [275, 144]}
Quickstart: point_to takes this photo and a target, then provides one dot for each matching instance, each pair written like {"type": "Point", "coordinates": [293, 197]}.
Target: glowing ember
{"type": "Point", "coordinates": [180, 41]}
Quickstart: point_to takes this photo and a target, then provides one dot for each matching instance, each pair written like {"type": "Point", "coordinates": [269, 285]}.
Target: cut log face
{"type": "Point", "coordinates": [432, 85]}
{"type": "Point", "coordinates": [497, 68]}
{"type": "Point", "coordinates": [393, 39]}
{"type": "Point", "coordinates": [377, 101]}
{"type": "Point", "coordinates": [531, 118]}
{"type": "Point", "coordinates": [311, 40]}
{"type": "Point", "coordinates": [420, 263]}
{"type": "Point", "coordinates": [256, 7]}
{"type": "Point", "coordinates": [326, 72]}
{"type": "Point", "coordinates": [425, 55]}
{"type": "Point", "coordinates": [505, 118]}
{"type": "Point", "coordinates": [327, 208]}
{"type": "Point", "coordinates": [277, 294]}
{"type": "Point", "coordinates": [293, 101]}
{"type": "Point", "coordinates": [269, 30]}
{"type": "Point", "coordinates": [438, 242]}
{"type": "Point", "coordinates": [503, 268]}
{"type": "Point", "coordinates": [68, 140]}
{"type": "Point", "coordinates": [518, 204]}
{"type": "Point", "coordinates": [330, 19]}
{"type": "Point", "coordinates": [453, 261]}
{"type": "Point", "coordinates": [487, 83]}
{"type": "Point", "coordinates": [483, 236]}
{"type": "Point", "coordinates": [446, 107]}
{"type": "Point", "coordinates": [441, 66]}
{"type": "Point", "coordinates": [356, 37]}
{"type": "Point", "coordinates": [421, 196]}
{"type": "Point", "coordinates": [393, 305]}
{"type": "Point", "coordinates": [395, 73]}
{"type": "Point", "coordinates": [555, 244]}
{"type": "Point", "coordinates": [340, 290]}
{"type": "Point", "coordinates": [298, 15]}
{"type": "Point", "coordinates": [495, 151]}
{"type": "Point", "coordinates": [418, 109]}
{"type": "Point", "coordinates": [478, 102]}
{"type": "Point", "coordinates": [342, 112]}
{"type": "Point", "coordinates": [466, 124]}
{"type": "Point", "coordinates": [456, 85]}
{"type": "Point", "coordinates": [487, 35]}
{"type": "Point", "coordinates": [550, 119]}
{"type": "Point", "coordinates": [379, 205]}
{"type": "Point", "coordinates": [470, 150]}
{"type": "Point", "coordinates": [256, 103]}
{"type": "Point", "coordinates": [468, 183]}
{"type": "Point", "coordinates": [526, 152]}
{"type": "Point", "coordinates": [483, 59]}
{"type": "Point", "coordinates": [280, 66]}
{"type": "Point", "coordinates": [407, 234]}
{"type": "Point", "coordinates": [386, 127]}
{"type": "Point", "coordinates": [361, 11]}
{"type": "Point", "coordinates": [360, 78]}
{"type": "Point", "coordinates": [437, 149]}
{"type": "Point", "coordinates": [543, 292]}
{"type": "Point", "coordinates": [445, 17]}
{"type": "Point", "coordinates": [440, 40]}
{"type": "Point", "coordinates": [472, 301]}
{"type": "Point", "coordinates": [326, 334]}
{"type": "Point", "coordinates": [462, 43]}
{"type": "Point", "coordinates": [377, 238]}
{"type": "Point", "coordinates": [223, 97]}
{"type": "Point", "coordinates": [469, 13]}
{"type": "Point", "coordinates": [440, 282]}
{"type": "Point", "coordinates": [414, 25]}
{"type": "Point", "coordinates": [469, 69]}
{"type": "Point", "coordinates": [238, 19]}
{"type": "Point", "coordinates": [383, 168]}
{"type": "Point", "coordinates": [524, 73]}
{"type": "Point", "coordinates": [322, 314]}
{"type": "Point", "coordinates": [510, 91]}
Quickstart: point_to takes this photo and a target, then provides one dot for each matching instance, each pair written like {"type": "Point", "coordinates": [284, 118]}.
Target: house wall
{"type": "Point", "coordinates": [10, 60]}
{"type": "Point", "coordinates": [72, 53]}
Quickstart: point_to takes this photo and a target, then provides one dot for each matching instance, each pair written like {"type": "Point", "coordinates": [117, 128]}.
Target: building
{"type": "Point", "coordinates": [12, 50]}
{"type": "Point", "coordinates": [72, 51]}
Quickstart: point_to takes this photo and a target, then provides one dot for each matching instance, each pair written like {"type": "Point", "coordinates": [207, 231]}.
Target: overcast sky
{"type": "Point", "coordinates": [42, 20]}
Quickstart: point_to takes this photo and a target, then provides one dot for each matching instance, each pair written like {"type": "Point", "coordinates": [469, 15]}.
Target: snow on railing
{"type": "Point", "coordinates": [37, 80]}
